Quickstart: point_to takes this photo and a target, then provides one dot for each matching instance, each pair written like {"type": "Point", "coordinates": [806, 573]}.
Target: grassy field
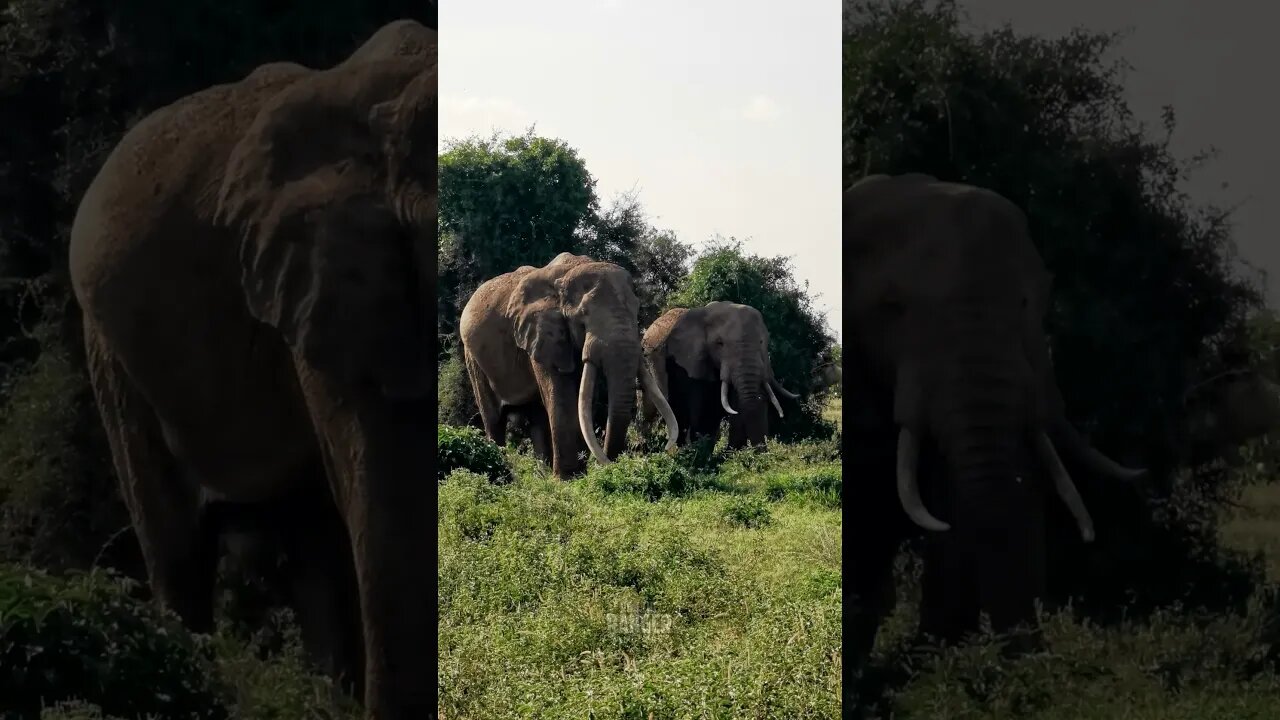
{"type": "Point", "coordinates": [652, 588]}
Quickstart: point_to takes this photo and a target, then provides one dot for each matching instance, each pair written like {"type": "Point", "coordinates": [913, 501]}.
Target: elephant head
{"type": "Point", "coordinates": [729, 342]}
{"type": "Point", "coordinates": [949, 296]}
{"type": "Point", "coordinates": [333, 188]}
{"type": "Point", "coordinates": [601, 308]}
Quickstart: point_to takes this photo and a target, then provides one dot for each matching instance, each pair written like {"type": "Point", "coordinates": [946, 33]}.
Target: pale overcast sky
{"type": "Point", "coordinates": [724, 114]}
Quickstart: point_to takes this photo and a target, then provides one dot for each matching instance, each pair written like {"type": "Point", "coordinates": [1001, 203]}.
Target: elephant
{"type": "Point", "coordinates": [1228, 411]}
{"type": "Point", "coordinates": [253, 265]}
{"type": "Point", "coordinates": [953, 418]}
{"type": "Point", "coordinates": [829, 375]}
{"type": "Point", "coordinates": [535, 340]}
{"type": "Point", "coordinates": [707, 360]}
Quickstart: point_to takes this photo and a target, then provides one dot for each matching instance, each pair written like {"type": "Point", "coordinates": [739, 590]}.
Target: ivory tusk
{"type": "Point", "coordinates": [585, 421]}
{"type": "Point", "coordinates": [908, 486]}
{"type": "Point", "coordinates": [1066, 488]}
{"type": "Point", "coordinates": [659, 400]}
{"type": "Point", "coordinates": [724, 397]}
{"type": "Point", "coordinates": [774, 399]}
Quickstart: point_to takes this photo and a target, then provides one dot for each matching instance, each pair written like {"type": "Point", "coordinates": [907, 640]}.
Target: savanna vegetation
{"type": "Point", "coordinates": [1171, 613]}
{"type": "Point", "coordinates": [705, 584]}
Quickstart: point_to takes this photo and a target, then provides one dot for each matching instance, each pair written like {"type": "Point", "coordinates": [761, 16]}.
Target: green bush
{"type": "Point", "coordinates": [84, 637]}
{"type": "Point", "coordinates": [823, 484]}
{"type": "Point", "coordinates": [649, 476]}
{"type": "Point", "coordinates": [749, 511]}
{"type": "Point", "coordinates": [455, 400]}
{"type": "Point", "coordinates": [60, 506]}
{"type": "Point", "coordinates": [464, 447]}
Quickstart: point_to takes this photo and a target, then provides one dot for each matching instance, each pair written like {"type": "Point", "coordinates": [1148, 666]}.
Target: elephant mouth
{"type": "Point", "coordinates": [1046, 452]}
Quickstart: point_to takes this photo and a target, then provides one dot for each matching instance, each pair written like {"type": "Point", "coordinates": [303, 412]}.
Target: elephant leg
{"type": "Point", "coordinates": [375, 462]}
{"type": "Point", "coordinates": [178, 544]}
{"type": "Point", "coordinates": [322, 579]}
{"type": "Point", "coordinates": [560, 398]}
{"type": "Point", "coordinates": [705, 411]}
{"type": "Point", "coordinates": [495, 421]}
{"type": "Point", "coordinates": [540, 434]}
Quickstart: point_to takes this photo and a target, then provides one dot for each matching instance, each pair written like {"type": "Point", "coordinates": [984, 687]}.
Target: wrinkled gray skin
{"type": "Point", "coordinates": [254, 266]}
{"type": "Point", "coordinates": [537, 340]}
{"type": "Point", "coordinates": [712, 362]}
{"type": "Point", "coordinates": [951, 396]}
{"type": "Point", "coordinates": [1228, 412]}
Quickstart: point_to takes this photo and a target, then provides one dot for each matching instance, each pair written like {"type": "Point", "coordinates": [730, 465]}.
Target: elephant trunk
{"type": "Point", "coordinates": [622, 370]}
{"type": "Point", "coordinates": [996, 507]}
{"type": "Point", "coordinates": [749, 380]}
{"type": "Point", "coordinates": [618, 358]}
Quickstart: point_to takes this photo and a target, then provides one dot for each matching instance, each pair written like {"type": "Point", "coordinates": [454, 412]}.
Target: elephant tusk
{"type": "Point", "coordinates": [724, 397]}
{"type": "Point", "coordinates": [1089, 456]}
{"type": "Point", "coordinates": [773, 383]}
{"type": "Point", "coordinates": [774, 399]}
{"type": "Point", "coordinates": [1066, 488]}
{"type": "Point", "coordinates": [659, 400]}
{"type": "Point", "coordinates": [908, 487]}
{"type": "Point", "coordinates": [585, 395]}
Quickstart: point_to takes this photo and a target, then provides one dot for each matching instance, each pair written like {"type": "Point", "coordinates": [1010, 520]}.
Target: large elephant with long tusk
{"type": "Point", "coordinates": [954, 419]}
{"type": "Point", "coordinates": [710, 363]}
{"type": "Point", "coordinates": [538, 340]}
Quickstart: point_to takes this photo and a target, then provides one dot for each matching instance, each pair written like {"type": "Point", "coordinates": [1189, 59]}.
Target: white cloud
{"type": "Point", "coordinates": [762, 108]}
{"type": "Point", "coordinates": [464, 116]}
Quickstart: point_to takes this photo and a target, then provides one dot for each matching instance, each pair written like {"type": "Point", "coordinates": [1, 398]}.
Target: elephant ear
{"type": "Point", "coordinates": [687, 345]}
{"type": "Point", "coordinates": [325, 256]}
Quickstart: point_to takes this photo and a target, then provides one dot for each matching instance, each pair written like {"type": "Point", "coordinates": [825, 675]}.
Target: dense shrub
{"type": "Point", "coordinates": [84, 637]}
{"type": "Point", "coordinates": [59, 502]}
{"type": "Point", "coordinates": [651, 476]}
{"type": "Point", "coordinates": [455, 400]}
{"type": "Point", "coordinates": [468, 448]}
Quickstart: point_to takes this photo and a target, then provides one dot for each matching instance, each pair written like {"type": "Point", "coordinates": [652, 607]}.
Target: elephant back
{"type": "Point", "coordinates": [655, 336]}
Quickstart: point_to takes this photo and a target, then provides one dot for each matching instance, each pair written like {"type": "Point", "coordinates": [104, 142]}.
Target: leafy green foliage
{"type": "Point", "coordinates": [59, 502]}
{"type": "Point", "coordinates": [465, 447]}
{"type": "Point", "coordinates": [85, 638]}
{"type": "Point", "coordinates": [748, 512]}
{"type": "Point", "coordinates": [797, 336]}
{"type": "Point", "coordinates": [455, 399]}
{"type": "Point", "coordinates": [651, 476]}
